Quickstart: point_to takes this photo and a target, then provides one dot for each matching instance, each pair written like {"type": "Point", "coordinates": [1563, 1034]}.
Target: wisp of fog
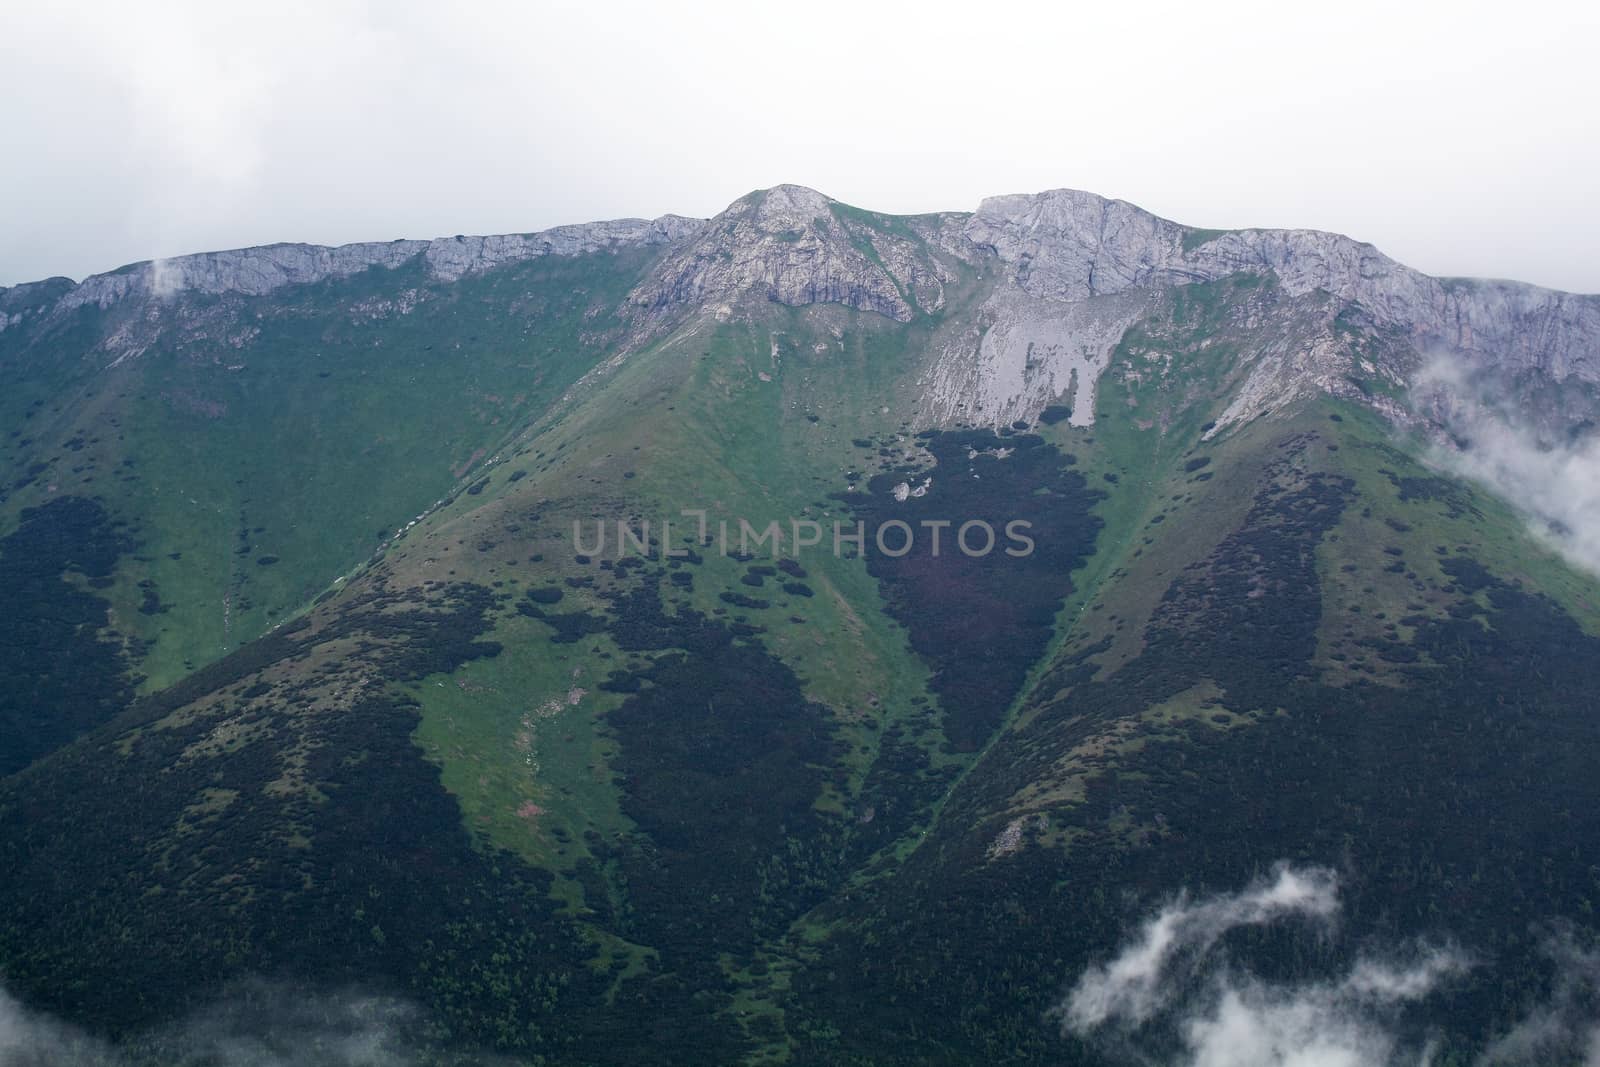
{"type": "Point", "coordinates": [251, 1024]}
{"type": "Point", "coordinates": [1552, 478]}
{"type": "Point", "coordinates": [1172, 996]}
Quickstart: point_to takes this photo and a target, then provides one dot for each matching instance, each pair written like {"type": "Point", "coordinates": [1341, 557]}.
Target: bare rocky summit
{"type": "Point", "coordinates": [789, 245]}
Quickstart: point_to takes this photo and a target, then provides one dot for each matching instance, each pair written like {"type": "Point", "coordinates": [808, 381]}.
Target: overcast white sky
{"type": "Point", "coordinates": [1463, 139]}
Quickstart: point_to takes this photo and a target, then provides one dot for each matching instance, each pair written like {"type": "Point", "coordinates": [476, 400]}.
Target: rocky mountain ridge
{"type": "Point", "coordinates": [1068, 273]}
{"type": "Point", "coordinates": [797, 247]}
{"type": "Point", "coordinates": [260, 270]}
{"type": "Point", "coordinates": [1070, 245]}
{"type": "Point", "coordinates": [397, 722]}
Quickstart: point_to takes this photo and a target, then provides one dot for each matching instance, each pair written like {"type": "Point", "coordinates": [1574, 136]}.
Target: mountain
{"type": "Point", "coordinates": [808, 635]}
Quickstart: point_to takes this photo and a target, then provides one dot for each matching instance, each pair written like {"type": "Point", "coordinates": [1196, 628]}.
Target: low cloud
{"type": "Point", "coordinates": [165, 279]}
{"type": "Point", "coordinates": [1555, 482]}
{"type": "Point", "coordinates": [28, 1039]}
{"type": "Point", "coordinates": [1171, 988]}
{"type": "Point", "coordinates": [253, 1024]}
{"type": "Point", "coordinates": [1566, 1027]}
{"type": "Point", "coordinates": [1351, 1022]}
{"type": "Point", "coordinates": [1135, 985]}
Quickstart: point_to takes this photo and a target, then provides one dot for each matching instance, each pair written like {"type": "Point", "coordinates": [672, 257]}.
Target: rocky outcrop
{"type": "Point", "coordinates": [20, 302]}
{"type": "Point", "coordinates": [258, 271]}
{"type": "Point", "coordinates": [1023, 354]}
{"type": "Point", "coordinates": [1517, 326]}
{"type": "Point", "coordinates": [450, 258]}
{"type": "Point", "coordinates": [1074, 270]}
{"type": "Point", "coordinates": [1068, 245]}
{"type": "Point", "coordinates": [790, 245]}
{"type": "Point", "coordinates": [1066, 272]}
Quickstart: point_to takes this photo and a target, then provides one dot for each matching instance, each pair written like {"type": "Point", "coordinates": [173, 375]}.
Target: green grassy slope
{"type": "Point", "coordinates": [273, 459]}
{"type": "Point", "coordinates": [1307, 647]}
{"type": "Point", "coordinates": [255, 458]}
{"type": "Point", "coordinates": [590, 805]}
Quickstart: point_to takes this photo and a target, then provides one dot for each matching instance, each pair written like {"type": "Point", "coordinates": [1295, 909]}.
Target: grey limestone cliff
{"type": "Point", "coordinates": [1064, 273]}
{"type": "Point", "coordinates": [1070, 271]}
{"type": "Point", "coordinates": [261, 270]}
{"type": "Point", "coordinates": [791, 245]}
{"type": "Point", "coordinates": [1070, 245]}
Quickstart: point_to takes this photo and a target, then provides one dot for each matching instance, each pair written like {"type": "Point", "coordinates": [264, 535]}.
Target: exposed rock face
{"type": "Point", "coordinates": [23, 301]}
{"type": "Point", "coordinates": [147, 299]}
{"type": "Point", "coordinates": [1066, 273]}
{"type": "Point", "coordinates": [1503, 322]}
{"type": "Point", "coordinates": [789, 245]}
{"type": "Point", "coordinates": [1023, 354]}
{"type": "Point", "coordinates": [258, 271]}
{"type": "Point", "coordinates": [1070, 245]}
{"type": "Point", "coordinates": [1075, 270]}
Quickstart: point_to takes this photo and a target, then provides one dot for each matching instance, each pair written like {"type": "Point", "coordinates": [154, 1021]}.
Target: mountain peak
{"type": "Point", "coordinates": [792, 201]}
{"type": "Point", "coordinates": [782, 209]}
{"type": "Point", "coordinates": [1054, 201]}
{"type": "Point", "coordinates": [792, 245]}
